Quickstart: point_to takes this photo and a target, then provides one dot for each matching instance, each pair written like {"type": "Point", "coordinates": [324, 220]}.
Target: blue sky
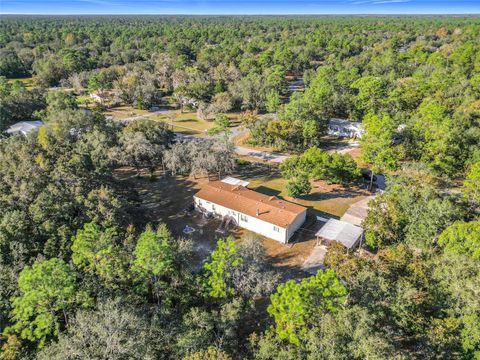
{"type": "Point", "coordinates": [239, 6]}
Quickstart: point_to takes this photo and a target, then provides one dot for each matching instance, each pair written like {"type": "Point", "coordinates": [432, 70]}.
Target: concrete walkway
{"type": "Point", "coordinates": [357, 211]}
{"type": "Point", "coordinates": [314, 262]}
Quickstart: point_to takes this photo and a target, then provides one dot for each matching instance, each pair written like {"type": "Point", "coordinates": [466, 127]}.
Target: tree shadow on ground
{"type": "Point", "coordinates": [185, 120]}
{"type": "Point", "coordinates": [267, 191]}
{"type": "Point", "coordinates": [268, 172]}
{"type": "Point", "coordinates": [340, 193]}
{"type": "Point", "coordinates": [188, 132]}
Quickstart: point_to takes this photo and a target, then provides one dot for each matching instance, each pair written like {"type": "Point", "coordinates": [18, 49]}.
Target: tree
{"type": "Point", "coordinates": [153, 260]}
{"type": "Point", "coordinates": [47, 291]}
{"type": "Point", "coordinates": [222, 123]}
{"type": "Point", "coordinates": [294, 304]}
{"type": "Point", "coordinates": [92, 246]}
{"type": "Point", "coordinates": [471, 185]}
{"type": "Point", "coordinates": [60, 100]}
{"type": "Point", "coordinates": [221, 103]}
{"type": "Point", "coordinates": [351, 333]}
{"type": "Point", "coordinates": [17, 103]}
{"type": "Point", "coordinates": [253, 277]}
{"type": "Point", "coordinates": [143, 144]}
{"type": "Point", "coordinates": [250, 91]}
{"type": "Point", "coordinates": [94, 250]}
{"type": "Point", "coordinates": [272, 101]}
{"type": "Point", "coordinates": [317, 164]}
{"type": "Point", "coordinates": [218, 276]}
{"type": "Point", "coordinates": [201, 157]}
{"type": "Point", "coordinates": [309, 132]}
{"type": "Point", "coordinates": [371, 92]}
{"type": "Point", "coordinates": [115, 330]}
{"type": "Point", "coordinates": [458, 278]}
{"type": "Point", "coordinates": [409, 211]}
{"type": "Point", "coordinates": [299, 186]}
{"type": "Point", "coordinates": [461, 238]}
{"type": "Point", "coordinates": [430, 136]}
{"type": "Point", "coordinates": [376, 143]}
{"type": "Point", "coordinates": [210, 354]}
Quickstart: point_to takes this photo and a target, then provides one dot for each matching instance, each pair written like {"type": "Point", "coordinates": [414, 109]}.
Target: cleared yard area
{"type": "Point", "coordinates": [28, 82]}
{"type": "Point", "coordinates": [124, 112]}
{"type": "Point", "coordinates": [189, 124]}
{"type": "Point", "coordinates": [165, 199]}
{"type": "Point", "coordinates": [185, 123]}
{"type": "Point", "coordinates": [326, 199]}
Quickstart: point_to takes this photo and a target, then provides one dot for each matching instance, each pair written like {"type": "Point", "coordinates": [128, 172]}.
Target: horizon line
{"type": "Point", "coordinates": [247, 14]}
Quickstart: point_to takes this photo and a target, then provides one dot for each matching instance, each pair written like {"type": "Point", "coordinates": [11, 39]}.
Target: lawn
{"type": "Point", "coordinates": [163, 201]}
{"type": "Point", "coordinates": [28, 82]}
{"type": "Point", "coordinates": [326, 199]}
{"type": "Point", "coordinates": [123, 112]}
{"type": "Point", "coordinates": [81, 99]}
{"type": "Point", "coordinates": [181, 122]}
{"type": "Point", "coordinates": [189, 124]}
{"type": "Point", "coordinates": [185, 123]}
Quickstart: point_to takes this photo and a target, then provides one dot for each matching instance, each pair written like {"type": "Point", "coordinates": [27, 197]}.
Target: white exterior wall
{"type": "Point", "coordinates": [253, 223]}
{"type": "Point", "coordinates": [296, 224]}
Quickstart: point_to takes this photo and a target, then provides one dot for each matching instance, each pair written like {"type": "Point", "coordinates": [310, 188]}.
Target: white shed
{"type": "Point", "coordinates": [23, 127]}
{"type": "Point", "coordinates": [235, 181]}
{"type": "Point", "coordinates": [345, 128]}
{"type": "Point", "coordinates": [343, 232]}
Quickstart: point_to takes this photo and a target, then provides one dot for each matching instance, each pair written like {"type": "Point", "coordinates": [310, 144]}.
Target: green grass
{"type": "Point", "coordinates": [82, 98]}
{"type": "Point", "coordinates": [186, 123]}
{"type": "Point", "coordinates": [324, 198]}
{"type": "Point", "coordinates": [28, 82]}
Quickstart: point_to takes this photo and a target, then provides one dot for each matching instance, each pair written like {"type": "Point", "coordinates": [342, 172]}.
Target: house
{"type": "Point", "coordinates": [345, 128]}
{"type": "Point", "coordinates": [347, 234]}
{"type": "Point", "coordinates": [265, 215]}
{"type": "Point", "coordinates": [104, 96]}
{"type": "Point", "coordinates": [23, 127]}
{"type": "Point", "coordinates": [96, 97]}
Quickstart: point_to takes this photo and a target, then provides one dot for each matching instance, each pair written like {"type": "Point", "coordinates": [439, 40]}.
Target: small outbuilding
{"type": "Point", "coordinates": [340, 231]}
{"type": "Point", "coordinates": [23, 127]}
{"type": "Point", "coordinates": [345, 128]}
{"type": "Point", "coordinates": [234, 181]}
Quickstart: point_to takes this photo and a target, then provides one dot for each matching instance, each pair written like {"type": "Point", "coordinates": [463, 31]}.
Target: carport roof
{"type": "Point", "coordinates": [341, 231]}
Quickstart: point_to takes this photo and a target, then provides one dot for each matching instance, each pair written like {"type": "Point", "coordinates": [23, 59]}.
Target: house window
{"type": "Point", "coordinates": [199, 202]}
{"type": "Point", "coordinates": [213, 207]}
{"type": "Point", "coordinates": [244, 218]}
{"type": "Point", "coordinates": [276, 229]}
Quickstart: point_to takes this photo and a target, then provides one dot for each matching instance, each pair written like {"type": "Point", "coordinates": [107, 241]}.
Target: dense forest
{"type": "Point", "coordinates": [83, 275]}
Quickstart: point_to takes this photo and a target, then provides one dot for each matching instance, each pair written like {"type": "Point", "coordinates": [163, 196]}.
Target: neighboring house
{"type": "Point", "coordinates": [23, 127]}
{"type": "Point", "coordinates": [345, 128]}
{"type": "Point", "coordinates": [266, 215]}
{"type": "Point", "coordinates": [345, 233]}
{"type": "Point", "coordinates": [96, 97]}
{"type": "Point", "coordinates": [104, 96]}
